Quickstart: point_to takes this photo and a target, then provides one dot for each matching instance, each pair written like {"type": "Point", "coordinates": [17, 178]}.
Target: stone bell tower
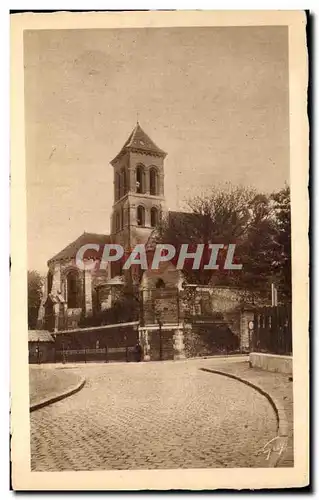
{"type": "Point", "coordinates": [139, 202]}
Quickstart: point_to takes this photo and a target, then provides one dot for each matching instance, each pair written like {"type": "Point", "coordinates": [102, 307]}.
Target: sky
{"type": "Point", "coordinates": [215, 99]}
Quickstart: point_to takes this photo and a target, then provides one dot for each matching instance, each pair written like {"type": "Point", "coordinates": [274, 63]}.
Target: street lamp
{"type": "Point", "coordinates": [160, 324]}
{"type": "Point", "coordinates": [38, 351]}
{"type": "Point", "coordinates": [126, 348]}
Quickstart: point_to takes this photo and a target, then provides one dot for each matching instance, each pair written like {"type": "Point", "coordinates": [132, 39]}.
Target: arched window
{"type": "Point", "coordinates": [154, 216]}
{"type": "Point", "coordinates": [140, 216]}
{"type": "Point", "coordinates": [50, 281]}
{"type": "Point", "coordinates": [117, 221]}
{"type": "Point", "coordinates": [160, 283]}
{"type": "Point", "coordinates": [123, 183]}
{"type": "Point", "coordinates": [140, 179]}
{"type": "Point", "coordinates": [73, 298]}
{"type": "Point", "coordinates": [117, 186]}
{"type": "Point", "coordinates": [153, 181]}
{"type": "Point", "coordinates": [122, 217]}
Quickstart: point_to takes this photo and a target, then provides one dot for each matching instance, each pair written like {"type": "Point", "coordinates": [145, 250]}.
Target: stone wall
{"type": "Point", "coordinates": [246, 319]}
{"type": "Point", "coordinates": [233, 306]}
{"type": "Point", "coordinates": [271, 362]}
{"type": "Point", "coordinates": [195, 343]}
{"type": "Point", "coordinates": [162, 343]}
{"type": "Point", "coordinates": [160, 305]}
{"type": "Point", "coordinates": [207, 300]}
{"type": "Point", "coordinates": [216, 319]}
{"type": "Point", "coordinates": [209, 339]}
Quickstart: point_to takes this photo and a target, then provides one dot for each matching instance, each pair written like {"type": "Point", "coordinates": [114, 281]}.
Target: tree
{"type": "Point", "coordinates": [222, 217]}
{"type": "Point", "coordinates": [257, 223]}
{"type": "Point", "coordinates": [256, 251]}
{"type": "Point", "coordinates": [34, 297]}
{"type": "Point", "coordinates": [282, 257]}
{"type": "Point", "coordinates": [124, 309]}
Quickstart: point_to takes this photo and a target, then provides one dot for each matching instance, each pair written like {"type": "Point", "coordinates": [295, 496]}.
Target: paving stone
{"type": "Point", "coordinates": [153, 415]}
{"type": "Point", "coordinates": [276, 384]}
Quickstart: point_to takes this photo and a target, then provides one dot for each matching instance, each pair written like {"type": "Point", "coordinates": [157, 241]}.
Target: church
{"type": "Point", "coordinates": [138, 206]}
{"type": "Point", "coordinates": [189, 319]}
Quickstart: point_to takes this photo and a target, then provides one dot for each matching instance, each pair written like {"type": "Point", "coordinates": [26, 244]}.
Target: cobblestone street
{"type": "Point", "coordinates": [153, 415]}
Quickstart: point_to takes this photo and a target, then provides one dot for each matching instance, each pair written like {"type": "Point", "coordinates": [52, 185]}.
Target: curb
{"type": "Point", "coordinates": [223, 356]}
{"type": "Point", "coordinates": [59, 397]}
{"type": "Point", "coordinates": [282, 433]}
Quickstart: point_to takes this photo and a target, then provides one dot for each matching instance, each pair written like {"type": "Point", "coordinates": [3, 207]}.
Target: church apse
{"type": "Point", "coordinates": [69, 292]}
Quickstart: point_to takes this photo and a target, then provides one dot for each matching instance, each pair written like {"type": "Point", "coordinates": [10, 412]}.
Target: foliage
{"type": "Point", "coordinates": [125, 309]}
{"type": "Point", "coordinates": [257, 223]}
{"type": "Point", "coordinates": [34, 297]}
{"type": "Point", "coordinates": [282, 256]}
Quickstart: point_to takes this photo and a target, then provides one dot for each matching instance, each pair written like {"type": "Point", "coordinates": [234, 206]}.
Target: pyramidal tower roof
{"type": "Point", "coordinates": [139, 141]}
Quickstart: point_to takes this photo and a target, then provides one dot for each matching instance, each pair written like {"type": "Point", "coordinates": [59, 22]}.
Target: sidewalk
{"type": "Point", "coordinates": [276, 385]}
{"type": "Point", "coordinates": [48, 386]}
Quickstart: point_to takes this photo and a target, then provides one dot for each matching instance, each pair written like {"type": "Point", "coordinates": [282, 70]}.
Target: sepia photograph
{"type": "Point", "coordinates": [159, 226]}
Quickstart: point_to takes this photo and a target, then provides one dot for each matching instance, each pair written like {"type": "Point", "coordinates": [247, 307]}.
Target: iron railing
{"type": "Point", "coordinates": [272, 330]}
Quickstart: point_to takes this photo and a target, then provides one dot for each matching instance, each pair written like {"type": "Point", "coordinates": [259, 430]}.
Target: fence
{"type": "Point", "coordinates": [105, 343]}
{"type": "Point", "coordinates": [103, 355]}
{"type": "Point", "coordinates": [272, 330]}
